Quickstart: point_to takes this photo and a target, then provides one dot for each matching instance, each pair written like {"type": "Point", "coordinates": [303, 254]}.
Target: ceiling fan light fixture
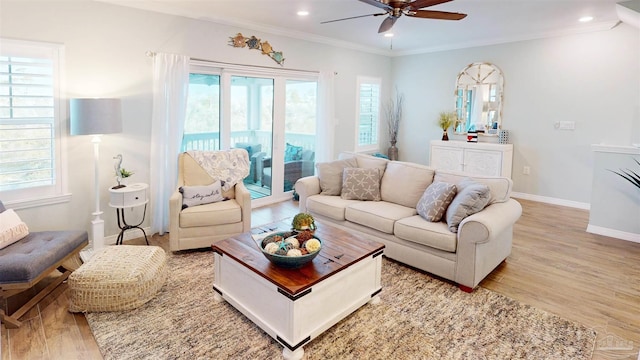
{"type": "Point", "coordinates": [303, 13]}
{"type": "Point", "coordinates": [388, 35]}
{"type": "Point", "coordinates": [585, 19]}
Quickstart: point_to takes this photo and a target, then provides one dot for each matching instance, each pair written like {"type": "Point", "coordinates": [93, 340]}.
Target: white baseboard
{"type": "Point", "coordinates": [599, 230]}
{"type": "Point", "coordinates": [128, 235]}
{"type": "Point", "coordinates": [550, 200]}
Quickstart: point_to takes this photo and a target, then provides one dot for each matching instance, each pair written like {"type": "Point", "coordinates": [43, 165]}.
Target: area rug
{"type": "Point", "coordinates": [419, 317]}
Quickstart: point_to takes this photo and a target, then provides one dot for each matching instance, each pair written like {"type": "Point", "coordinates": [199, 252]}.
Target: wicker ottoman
{"type": "Point", "coordinates": [118, 278]}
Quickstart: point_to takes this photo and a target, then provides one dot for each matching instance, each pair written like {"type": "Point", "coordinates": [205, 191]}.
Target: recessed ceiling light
{"type": "Point", "coordinates": [303, 13]}
{"type": "Point", "coordinates": [585, 19]}
{"type": "Point", "coordinates": [388, 35]}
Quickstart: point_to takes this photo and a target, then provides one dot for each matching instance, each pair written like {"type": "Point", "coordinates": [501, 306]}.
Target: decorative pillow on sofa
{"type": "Point", "coordinates": [471, 198]}
{"type": "Point", "coordinates": [436, 199]}
{"type": "Point", "coordinates": [292, 153]}
{"type": "Point", "coordinates": [361, 184]}
{"type": "Point", "coordinates": [200, 195]}
{"type": "Point", "coordinates": [12, 229]}
{"type": "Point", "coordinates": [330, 175]}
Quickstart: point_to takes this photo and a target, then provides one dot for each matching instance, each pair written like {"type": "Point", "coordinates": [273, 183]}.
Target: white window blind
{"type": "Point", "coordinates": [29, 120]}
{"type": "Point", "coordinates": [368, 113]}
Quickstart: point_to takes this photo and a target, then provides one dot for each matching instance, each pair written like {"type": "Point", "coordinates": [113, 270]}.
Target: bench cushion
{"type": "Point", "coordinates": [25, 260]}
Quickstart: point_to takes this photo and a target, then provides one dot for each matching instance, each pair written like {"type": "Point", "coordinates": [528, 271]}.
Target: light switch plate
{"type": "Point", "coordinates": [567, 125]}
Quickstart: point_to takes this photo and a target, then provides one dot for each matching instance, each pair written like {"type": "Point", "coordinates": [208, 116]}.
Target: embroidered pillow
{"type": "Point", "coordinates": [12, 229]}
{"type": "Point", "coordinates": [330, 175]}
{"type": "Point", "coordinates": [361, 184]}
{"type": "Point", "coordinates": [436, 199]}
{"type": "Point", "coordinates": [200, 195]}
{"type": "Point", "coordinates": [471, 198]}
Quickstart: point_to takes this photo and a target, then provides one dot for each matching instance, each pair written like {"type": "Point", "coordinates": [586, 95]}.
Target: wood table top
{"type": "Point", "coordinates": [340, 249]}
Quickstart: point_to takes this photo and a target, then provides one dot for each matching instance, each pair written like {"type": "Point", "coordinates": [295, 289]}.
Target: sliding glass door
{"type": "Point", "coordinates": [251, 128]}
{"type": "Point", "coordinates": [272, 116]}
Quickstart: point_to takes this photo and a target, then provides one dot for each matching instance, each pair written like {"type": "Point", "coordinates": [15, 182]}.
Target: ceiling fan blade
{"type": "Point", "coordinates": [387, 24]}
{"type": "Point", "coordinates": [378, 4]}
{"type": "Point", "coordinates": [419, 4]}
{"type": "Point", "coordinates": [352, 17]}
{"type": "Point", "coordinates": [440, 15]}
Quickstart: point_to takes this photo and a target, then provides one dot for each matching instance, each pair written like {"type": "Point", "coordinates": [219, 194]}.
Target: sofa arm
{"type": "Point", "coordinates": [494, 219]}
{"type": "Point", "coordinates": [484, 241]}
{"type": "Point", "coordinates": [243, 198]}
{"type": "Point", "coordinates": [306, 187]}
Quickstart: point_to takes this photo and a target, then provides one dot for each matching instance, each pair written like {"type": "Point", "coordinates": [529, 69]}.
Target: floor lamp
{"type": "Point", "coordinates": [95, 117]}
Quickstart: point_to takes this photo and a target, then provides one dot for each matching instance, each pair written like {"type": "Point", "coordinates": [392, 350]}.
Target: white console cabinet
{"type": "Point", "coordinates": [473, 158]}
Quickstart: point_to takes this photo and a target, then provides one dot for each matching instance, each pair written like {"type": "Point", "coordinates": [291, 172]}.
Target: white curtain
{"type": "Point", "coordinates": [170, 86]}
{"type": "Point", "coordinates": [326, 117]}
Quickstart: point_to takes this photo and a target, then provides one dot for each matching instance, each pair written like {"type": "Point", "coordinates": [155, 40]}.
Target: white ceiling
{"type": "Point", "coordinates": [488, 21]}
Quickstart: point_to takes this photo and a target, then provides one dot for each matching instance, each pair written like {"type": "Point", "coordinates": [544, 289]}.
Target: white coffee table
{"type": "Point", "coordinates": [294, 306]}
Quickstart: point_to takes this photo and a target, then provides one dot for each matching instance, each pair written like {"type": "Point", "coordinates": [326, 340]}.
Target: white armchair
{"type": "Point", "coordinates": [200, 226]}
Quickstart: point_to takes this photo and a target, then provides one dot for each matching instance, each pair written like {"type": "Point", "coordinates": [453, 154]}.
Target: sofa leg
{"type": "Point", "coordinates": [465, 288]}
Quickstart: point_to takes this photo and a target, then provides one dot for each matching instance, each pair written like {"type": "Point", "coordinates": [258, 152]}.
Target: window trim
{"type": "Point", "coordinates": [58, 192]}
{"type": "Point", "coordinates": [369, 147]}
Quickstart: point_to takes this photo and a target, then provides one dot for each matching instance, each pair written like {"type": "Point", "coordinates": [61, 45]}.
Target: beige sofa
{"type": "Point", "coordinates": [202, 225]}
{"type": "Point", "coordinates": [483, 239]}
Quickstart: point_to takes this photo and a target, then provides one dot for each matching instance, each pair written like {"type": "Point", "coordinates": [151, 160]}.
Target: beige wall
{"type": "Point", "coordinates": [591, 78]}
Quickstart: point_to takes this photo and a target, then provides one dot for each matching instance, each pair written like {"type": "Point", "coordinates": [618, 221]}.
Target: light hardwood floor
{"type": "Point", "coordinates": [555, 266]}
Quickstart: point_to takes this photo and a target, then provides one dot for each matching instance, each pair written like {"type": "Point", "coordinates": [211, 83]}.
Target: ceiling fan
{"type": "Point", "coordinates": [396, 8]}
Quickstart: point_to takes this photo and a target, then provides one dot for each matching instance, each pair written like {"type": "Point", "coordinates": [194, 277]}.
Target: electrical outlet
{"type": "Point", "coordinates": [526, 170]}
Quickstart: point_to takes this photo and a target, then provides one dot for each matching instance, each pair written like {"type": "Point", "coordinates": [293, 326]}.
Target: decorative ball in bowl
{"type": "Point", "coordinates": [291, 249]}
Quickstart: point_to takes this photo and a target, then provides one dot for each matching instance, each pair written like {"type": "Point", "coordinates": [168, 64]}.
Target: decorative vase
{"type": "Point", "coordinates": [393, 152]}
{"type": "Point", "coordinates": [445, 135]}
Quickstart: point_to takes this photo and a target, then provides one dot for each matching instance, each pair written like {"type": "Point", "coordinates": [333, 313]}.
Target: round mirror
{"type": "Point", "coordinates": [478, 97]}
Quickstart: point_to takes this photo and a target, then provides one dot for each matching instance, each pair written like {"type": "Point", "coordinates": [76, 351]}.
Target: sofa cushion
{"type": "Point", "coordinates": [369, 161]}
{"type": "Point", "coordinates": [332, 207]}
{"type": "Point", "coordinates": [200, 195]}
{"type": "Point", "coordinates": [471, 198]}
{"type": "Point", "coordinates": [379, 215]}
{"type": "Point", "coordinates": [436, 199]}
{"type": "Point", "coordinates": [330, 175]}
{"type": "Point", "coordinates": [432, 234]}
{"type": "Point", "coordinates": [361, 184]}
{"type": "Point", "coordinates": [500, 186]}
{"type": "Point", "coordinates": [219, 213]}
{"type": "Point", "coordinates": [404, 183]}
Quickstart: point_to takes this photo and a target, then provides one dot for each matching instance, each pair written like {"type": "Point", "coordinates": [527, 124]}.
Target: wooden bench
{"type": "Point", "coordinates": [31, 259]}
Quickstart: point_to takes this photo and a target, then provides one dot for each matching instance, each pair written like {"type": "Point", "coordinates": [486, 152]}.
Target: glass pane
{"type": "Point", "coordinates": [300, 131]}
{"type": "Point", "coordinates": [369, 114]}
{"type": "Point", "coordinates": [202, 122]}
{"type": "Point", "coordinates": [252, 129]}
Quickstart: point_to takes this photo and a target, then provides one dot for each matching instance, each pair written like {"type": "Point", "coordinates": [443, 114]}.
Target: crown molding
{"type": "Point", "coordinates": [601, 26]}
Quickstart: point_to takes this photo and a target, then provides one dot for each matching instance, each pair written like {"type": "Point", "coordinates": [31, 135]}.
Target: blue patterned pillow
{"type": "Point", "coordinates": [292, 153]}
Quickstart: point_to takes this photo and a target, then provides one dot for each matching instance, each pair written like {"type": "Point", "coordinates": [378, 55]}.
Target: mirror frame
{"type": "Point", "coordinates": [479, 73]}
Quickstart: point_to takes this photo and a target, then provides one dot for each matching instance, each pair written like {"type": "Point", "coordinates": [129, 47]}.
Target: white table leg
{"type": "Point", "coordinates": [297, 354]}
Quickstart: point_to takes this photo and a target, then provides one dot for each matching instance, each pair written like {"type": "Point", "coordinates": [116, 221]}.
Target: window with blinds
{"type": "Point", "coordinates": [29, 120]}
{"type": "Point", "coordinates": [368, 114]}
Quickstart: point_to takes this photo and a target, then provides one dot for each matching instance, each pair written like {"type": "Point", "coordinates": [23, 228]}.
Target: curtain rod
{"type": "Point", "coordinates": [152, 54]}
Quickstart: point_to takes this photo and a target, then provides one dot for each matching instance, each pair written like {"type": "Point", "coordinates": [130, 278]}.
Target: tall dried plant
{"type": "Point", "coordinates": [393, 110]}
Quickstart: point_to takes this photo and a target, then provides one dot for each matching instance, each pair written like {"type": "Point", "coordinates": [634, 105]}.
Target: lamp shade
{"type": "Point", "coordinates": [95, 116]}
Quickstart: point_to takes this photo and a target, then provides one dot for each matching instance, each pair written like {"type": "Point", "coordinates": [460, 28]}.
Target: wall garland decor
{"type": "Point", "coordinates": [254, 43]}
